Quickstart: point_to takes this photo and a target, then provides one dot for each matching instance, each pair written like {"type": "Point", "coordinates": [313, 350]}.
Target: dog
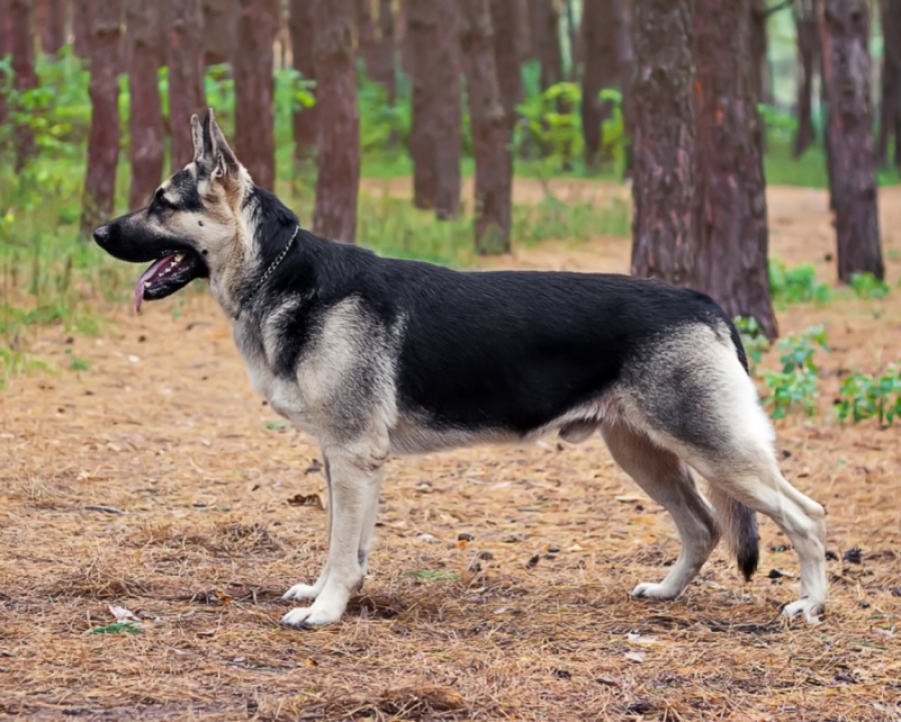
{"type": "Point", "coordinates": [375, 356]}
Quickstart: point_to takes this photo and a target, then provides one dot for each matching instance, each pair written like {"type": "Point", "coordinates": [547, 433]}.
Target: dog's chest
{"type": "Point", "coordinates": [283, 395]}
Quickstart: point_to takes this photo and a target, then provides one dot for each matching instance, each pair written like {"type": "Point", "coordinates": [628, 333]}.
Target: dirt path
{"type": "Point", "coordinates": [157, 481]}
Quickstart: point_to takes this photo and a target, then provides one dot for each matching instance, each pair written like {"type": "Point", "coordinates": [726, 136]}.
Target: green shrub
{"type": "Point", "coordinates": [863, 396]}
{"type": "Point", "coordinates": [797, 284]}
{"type": "Point", "coordinates": [795, 387]}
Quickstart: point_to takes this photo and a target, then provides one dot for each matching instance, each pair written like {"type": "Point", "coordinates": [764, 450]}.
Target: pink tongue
{"type": "Point", "coordinates": [148, 275]}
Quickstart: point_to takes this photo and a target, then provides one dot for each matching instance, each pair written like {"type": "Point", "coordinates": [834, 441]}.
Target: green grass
{"type": "Point", "coordinates": [808, 171]}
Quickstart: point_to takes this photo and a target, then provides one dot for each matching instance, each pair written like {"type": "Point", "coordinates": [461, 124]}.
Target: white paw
{"type": "Point", "coordinates": [653, 591]}
{"type": "Point", "coordinates": [810, 608]}
{"type": "Point", "coordinates": [302, 591]}
{"type": "Point", "coordinates": [314, 616]}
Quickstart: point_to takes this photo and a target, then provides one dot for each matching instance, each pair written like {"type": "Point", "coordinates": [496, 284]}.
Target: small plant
{"type": "Point", "coordinates": [866, 285]}
{"type": "Point", "coordinates": [753, 339]}
{"type": "Point", "coordinates": [796, 285]}
{"type": "Point", "coordinates": [863, 396]}
{"type": "Point", "coordinates": [796, 385]}
{"type": "Point", "coordinates": [79, 364]}
{"type": "Point", "coordinates": [118, 628]}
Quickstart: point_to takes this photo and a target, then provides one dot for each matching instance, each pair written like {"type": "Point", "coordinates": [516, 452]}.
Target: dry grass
{"type": "Point", "coordinates": [151, 481]}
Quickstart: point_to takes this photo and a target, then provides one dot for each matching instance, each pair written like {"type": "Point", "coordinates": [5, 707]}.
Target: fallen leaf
{"type": "Point", "coordinates": [122, 614]}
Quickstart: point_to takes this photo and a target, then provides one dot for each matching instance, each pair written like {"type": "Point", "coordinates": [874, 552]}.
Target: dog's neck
{"type": "Point", "coordinates": [270, 235]}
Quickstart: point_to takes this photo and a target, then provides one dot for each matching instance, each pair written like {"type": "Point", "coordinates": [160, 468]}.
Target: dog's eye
{"type": "Point", "coordinates": [160, 202]}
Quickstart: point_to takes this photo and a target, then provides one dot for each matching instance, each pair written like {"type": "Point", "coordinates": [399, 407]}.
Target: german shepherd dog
{"type": "Point", "coordinates": [373, 356]}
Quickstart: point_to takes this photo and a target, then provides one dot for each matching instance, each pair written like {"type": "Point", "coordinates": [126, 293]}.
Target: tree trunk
{"type": "Point", "coordinates": [850, 138]}
{"type": "Point", "coordinates": [663, 225]}
{"type": "Point", "coordinates": [806, 22]}
{"type": "Point", "coordinates": [448, 112]}
{"type": "Point", "coordinates": [81, 28]}
{"type": "Point", "coordinates": [365, 34]}
{"type": "Point", "coordinates": [21, 46]}
{"type": "Point", "coordinates": [489, 129]}
{"type": "Point", "coordinates": [601, 71]}
{"type": "Point", "coordinates": [435, 137]}
{"type": "Point", "coordinates": [625, 59]}
{"type": "Point", "coordinates": [731, 226]}
{"type": "Point", "coordinates": [760, 80]}
{"type": "Point", "coordinates": [103, 140]}
{"type": "Point", "coordinates": [186, 93]}
{"type": "Point", "coordinates": [383, 68]}
{"type": "Point", "coordinates": [546, 38]}
{"type": "Point", "coordinates": [143, 26]}
{"type": "Point", "coordinates": [507, 20]}
{"type": "Point", "coordinates": [220, 31]}
{"type": "Point", "coordinates": [335, 215]}
{"type": "Point", "coordinates": [51, 18]}
{"type": "Point", "coordinates": [890, 117]}
{"type": "Point", "coordinates": [300, 25]}
{"type": "Point", "coordinates": [254, 88]}
{"type": "Point", "coordinates": [576, 38]}
{"type": "Point", "coordinates": [4, 50]}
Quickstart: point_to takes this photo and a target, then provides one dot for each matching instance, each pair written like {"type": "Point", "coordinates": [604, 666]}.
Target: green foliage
{"type": "Point", "coordinates": [863, 396]}
{"type": "Point", "coordinates": [796, 285]}
{"type": "Point", "coordinates": [795, 387]}
{"type": "Point", "coordinates": [753, 340]}
{"type": "Point", "coordinates": [779, 125]}
{"type": "Point", "coordinates": [866, 285]}
{"type": "Point", "coordinates": [551, 127]}
{"type": "Point", "coordinates": [118, 628]}
{"type": "Point", "coordinates": [614, 139]}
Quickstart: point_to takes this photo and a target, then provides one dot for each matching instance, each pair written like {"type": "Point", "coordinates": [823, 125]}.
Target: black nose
{"type": "Point", "coordinates": [101, 235]}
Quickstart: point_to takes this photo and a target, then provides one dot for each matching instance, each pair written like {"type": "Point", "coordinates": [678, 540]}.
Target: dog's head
{"type": "Point", "coordinates": [194, 225]}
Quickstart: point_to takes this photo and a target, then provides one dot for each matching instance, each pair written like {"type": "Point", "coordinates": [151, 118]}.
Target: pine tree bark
{"type": "Point", "coordinates": [806, 14]}
{"type": "Point", "coordinates": [21, 47]}
{"type": "Point", "coordinates": [890, 116]}
{"type": "Point", "coordinates": [759, 66]}
{"type": "Point", "coordinates": [81, 28]}
{"type": "Point", "coordinates": [383, 62]}
{"type": "Point", "coordinates": [625, 59]}
{"type": "Point", "coordinates": [448, 112]}
{"type": "Point", "coordinates": [601, 71]}
{"type": "Point", "coordinates": [337, 186]}
{"type": "Point", "coordinates": [435, 136]}
{"type": "Point", "coordinates": [663, 225]}
{"type": "Point", "coordinates": [51, 18]}
{"type": "Point", "coordinates": [186, 92]}
{"type": "Point", "coordinates": [103, 139]}
{"type": "Point", "coordinates": [143, 27]}
{"type": "Point", "coordinates": [365, 34]}
{"type": "Point", "coordinates": [4, 50]}
{"type": "Point", "coordinates": [850, 138]}
{"type": "Point", "coordinates": [731, 228]}
{"type": "Point", "coordinates": [508, 20]}
{"type": "Point", "coordinates": [220, 31]}
{"type": "Point", "coordinates": [545, 28]}
{"type": "Point", "coordinates": [254, 87]}
{"type": "Point", "coordinates": [489, 129]}
{"type": "Point", "coordinates": [302, 30]}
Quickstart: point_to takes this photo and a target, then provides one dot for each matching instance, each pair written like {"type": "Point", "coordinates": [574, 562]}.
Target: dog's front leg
{"type": "Point", "coordinates": [311, 591]}
{"type": "Point", "coordinates": [354, 481]}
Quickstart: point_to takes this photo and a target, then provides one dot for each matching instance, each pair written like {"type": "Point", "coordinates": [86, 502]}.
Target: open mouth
{"type": "Point", "coordinates": [167, 275]}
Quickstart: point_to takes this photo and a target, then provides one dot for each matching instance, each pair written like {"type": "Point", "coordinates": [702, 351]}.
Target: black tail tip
{"type": "Point", "coordinates": [748, 562]}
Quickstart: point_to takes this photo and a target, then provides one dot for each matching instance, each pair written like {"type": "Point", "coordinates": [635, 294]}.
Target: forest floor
{"type": "Point", "coordinates": [155, 480]}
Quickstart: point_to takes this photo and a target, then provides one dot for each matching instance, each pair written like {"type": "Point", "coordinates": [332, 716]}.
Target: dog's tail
{"type": "Point", "coordinates": [738, 525]}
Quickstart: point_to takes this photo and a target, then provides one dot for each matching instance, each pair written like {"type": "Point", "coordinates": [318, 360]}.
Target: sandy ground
{"type": "Point", "coordinates": [157, 481]}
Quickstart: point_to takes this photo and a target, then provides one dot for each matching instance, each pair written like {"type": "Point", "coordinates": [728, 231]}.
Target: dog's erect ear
{"type": "Point", "coordinates": [197, 136]}
{"type": "Point", "coordinates": [223, 160]}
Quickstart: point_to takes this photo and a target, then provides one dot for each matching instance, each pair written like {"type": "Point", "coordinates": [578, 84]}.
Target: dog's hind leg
{"type": "Point", "coordinates": [669, 481]}
{"type": "Point", "coordinates": [752, 477]}
{"type": "Point", "coordinates": [356, 475]}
